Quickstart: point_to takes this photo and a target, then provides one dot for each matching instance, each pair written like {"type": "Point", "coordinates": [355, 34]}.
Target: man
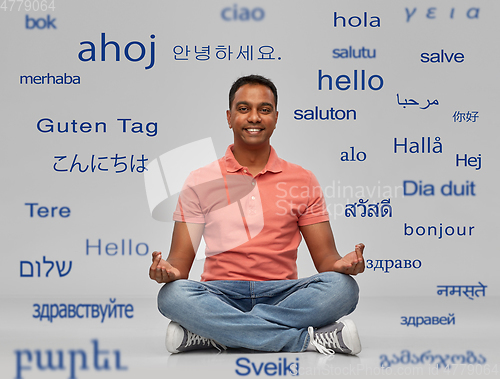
{"type": "Point", "coordinates": [252, 208]}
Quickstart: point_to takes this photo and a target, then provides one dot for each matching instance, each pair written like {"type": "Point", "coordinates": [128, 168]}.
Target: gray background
{"type": "Point", "coordinates": [188, 100]}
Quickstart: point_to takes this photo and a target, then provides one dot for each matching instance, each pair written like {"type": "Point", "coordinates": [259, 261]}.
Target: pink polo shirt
{"type": "Point", "coordinates": [251, 223]}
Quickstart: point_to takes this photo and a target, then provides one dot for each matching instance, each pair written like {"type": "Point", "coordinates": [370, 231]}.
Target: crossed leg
{"type": "Point", "coordinates": [266, 316]}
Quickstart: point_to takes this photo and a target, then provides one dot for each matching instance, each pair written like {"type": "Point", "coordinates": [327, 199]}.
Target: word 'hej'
{"type": "Point", "coordinates": [469, 161]}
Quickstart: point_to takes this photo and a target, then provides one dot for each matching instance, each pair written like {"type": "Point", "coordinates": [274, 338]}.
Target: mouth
{"type": "Point", "coordinates": [253, 130]}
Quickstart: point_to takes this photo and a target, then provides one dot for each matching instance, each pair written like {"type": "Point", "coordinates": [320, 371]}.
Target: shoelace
{"type": "Point", "coordinates": [195, 339]}
{"type": "Point", "coordinates": [324, 342]}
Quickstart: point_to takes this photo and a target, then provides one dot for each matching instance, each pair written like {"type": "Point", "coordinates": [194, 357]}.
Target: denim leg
{"type": "Point", "coordinates": [207, 312]}
{"type": "Point", "coordinates": [316, 301]}
{"type": "Point", "coordinates": [266, 316]}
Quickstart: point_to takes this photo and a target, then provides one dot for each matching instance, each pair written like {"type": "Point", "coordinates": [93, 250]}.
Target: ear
{"type": "Point", "coordinates": [228, 116]}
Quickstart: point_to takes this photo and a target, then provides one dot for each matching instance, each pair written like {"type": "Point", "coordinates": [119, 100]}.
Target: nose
{"type": "Point", "coordinates": [254, 116]}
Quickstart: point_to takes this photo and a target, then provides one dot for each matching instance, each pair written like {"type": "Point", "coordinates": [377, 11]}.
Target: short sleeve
{"type": "Point", "coordinates": [188, 205]}
{"type": "Point", "coordinates": [316, 211]}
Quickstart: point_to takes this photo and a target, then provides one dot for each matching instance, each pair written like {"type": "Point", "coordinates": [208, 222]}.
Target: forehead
{"type": "Point", "coordinates": [254, 93]}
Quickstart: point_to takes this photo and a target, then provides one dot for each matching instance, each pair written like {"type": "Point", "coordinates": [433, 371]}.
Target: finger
{"type": "Point", "coordinates": [170, 276]}
{"type": "Point", "coordinates": [153, 269]}
{"type": "Point", "coordinates": [165, 277]}
{"type": "Point", "coordinates": [155, 255]}
{"type": "Point", "coordinates": [359, 251]}
{"type": "Point", "coordinates": [360, 267]}
{"type": "Point", "coordinates": [352, 258]}
{"type": "Point", "coordinates": [361, 246]}
{"type": "Point", "coordinates": [161, 275]}
{"type": "Point", "coordinates": [156, 261]}
{"type": "Point", "coordinates": [153, 273]}
{"type": "Point", "coordinates": [348, 267]}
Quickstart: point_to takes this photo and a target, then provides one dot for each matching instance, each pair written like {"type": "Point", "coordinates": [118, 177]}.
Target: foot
{"type": "Point", "coordinates": [179, 339]}
{"type": "Point", "coordinates": [339, 337]}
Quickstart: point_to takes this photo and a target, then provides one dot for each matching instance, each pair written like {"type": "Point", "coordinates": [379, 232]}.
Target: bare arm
{"type": "Point", "coordinates": [185, 241]}
{"type": "Point", "coordinates": [321, 244]}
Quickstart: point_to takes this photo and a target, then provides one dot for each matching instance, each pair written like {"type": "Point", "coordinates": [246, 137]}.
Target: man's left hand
{"type": "Point", "coordinates": [352, 263]}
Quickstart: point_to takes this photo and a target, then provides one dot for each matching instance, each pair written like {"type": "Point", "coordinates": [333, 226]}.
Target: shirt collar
{"type": "Point", "coordinates": [273, 164]}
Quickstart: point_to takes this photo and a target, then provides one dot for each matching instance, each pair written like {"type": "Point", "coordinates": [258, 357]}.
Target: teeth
{"type": "Point", "coordinates": [254, 130]}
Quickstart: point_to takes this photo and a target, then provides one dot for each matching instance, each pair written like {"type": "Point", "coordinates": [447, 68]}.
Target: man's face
{"type": "Point", "coordinates": [253, 115]}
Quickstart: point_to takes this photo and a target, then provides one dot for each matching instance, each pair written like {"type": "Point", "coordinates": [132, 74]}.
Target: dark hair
{"type": "Point", "coordinates": [252, 79]}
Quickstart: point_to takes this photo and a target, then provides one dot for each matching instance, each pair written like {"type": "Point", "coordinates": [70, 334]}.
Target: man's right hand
{"type": "Point", "coordinates": [162, 271]}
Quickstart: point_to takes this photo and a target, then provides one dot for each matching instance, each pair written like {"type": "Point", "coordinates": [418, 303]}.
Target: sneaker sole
{"type": "Point", "coordinates": [174, 337]}
{"type": "Point", "coordinates": [351, 337]}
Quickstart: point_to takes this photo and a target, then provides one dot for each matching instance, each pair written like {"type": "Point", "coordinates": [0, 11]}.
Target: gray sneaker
{"type": "Point", "coordinates": [179, 339]}
{"type": "Point", "coordinates": [339, 337]}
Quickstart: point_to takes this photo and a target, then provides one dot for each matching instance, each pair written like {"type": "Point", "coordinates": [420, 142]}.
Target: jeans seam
{"type": "Point", "coordinates": [306, 342]}
{"type": "Point", "coordinates": [251, 288]}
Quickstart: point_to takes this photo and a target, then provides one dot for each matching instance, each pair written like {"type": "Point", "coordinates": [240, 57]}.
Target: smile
{"type": "Point", "coordinates": [253, 130]}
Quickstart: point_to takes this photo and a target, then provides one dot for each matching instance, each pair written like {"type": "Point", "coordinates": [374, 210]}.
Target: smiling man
{"type": "Point", "coordinates": [247, 208]}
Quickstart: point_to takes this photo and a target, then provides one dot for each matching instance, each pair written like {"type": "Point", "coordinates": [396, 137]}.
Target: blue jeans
{"type": "Point", "coordinates": [265, 315]}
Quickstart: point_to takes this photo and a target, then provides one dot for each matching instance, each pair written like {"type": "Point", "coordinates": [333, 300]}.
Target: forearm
{"type": "Point", "coordinates": [328, 262]}
{"type": "Point", "coordinates": [182, 265]}
{"type": "Point", "coordinates": [185, 241]}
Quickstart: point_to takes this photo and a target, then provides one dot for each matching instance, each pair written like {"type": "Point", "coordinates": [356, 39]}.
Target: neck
{"type": "Point", "coordinates": [255, 159]}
